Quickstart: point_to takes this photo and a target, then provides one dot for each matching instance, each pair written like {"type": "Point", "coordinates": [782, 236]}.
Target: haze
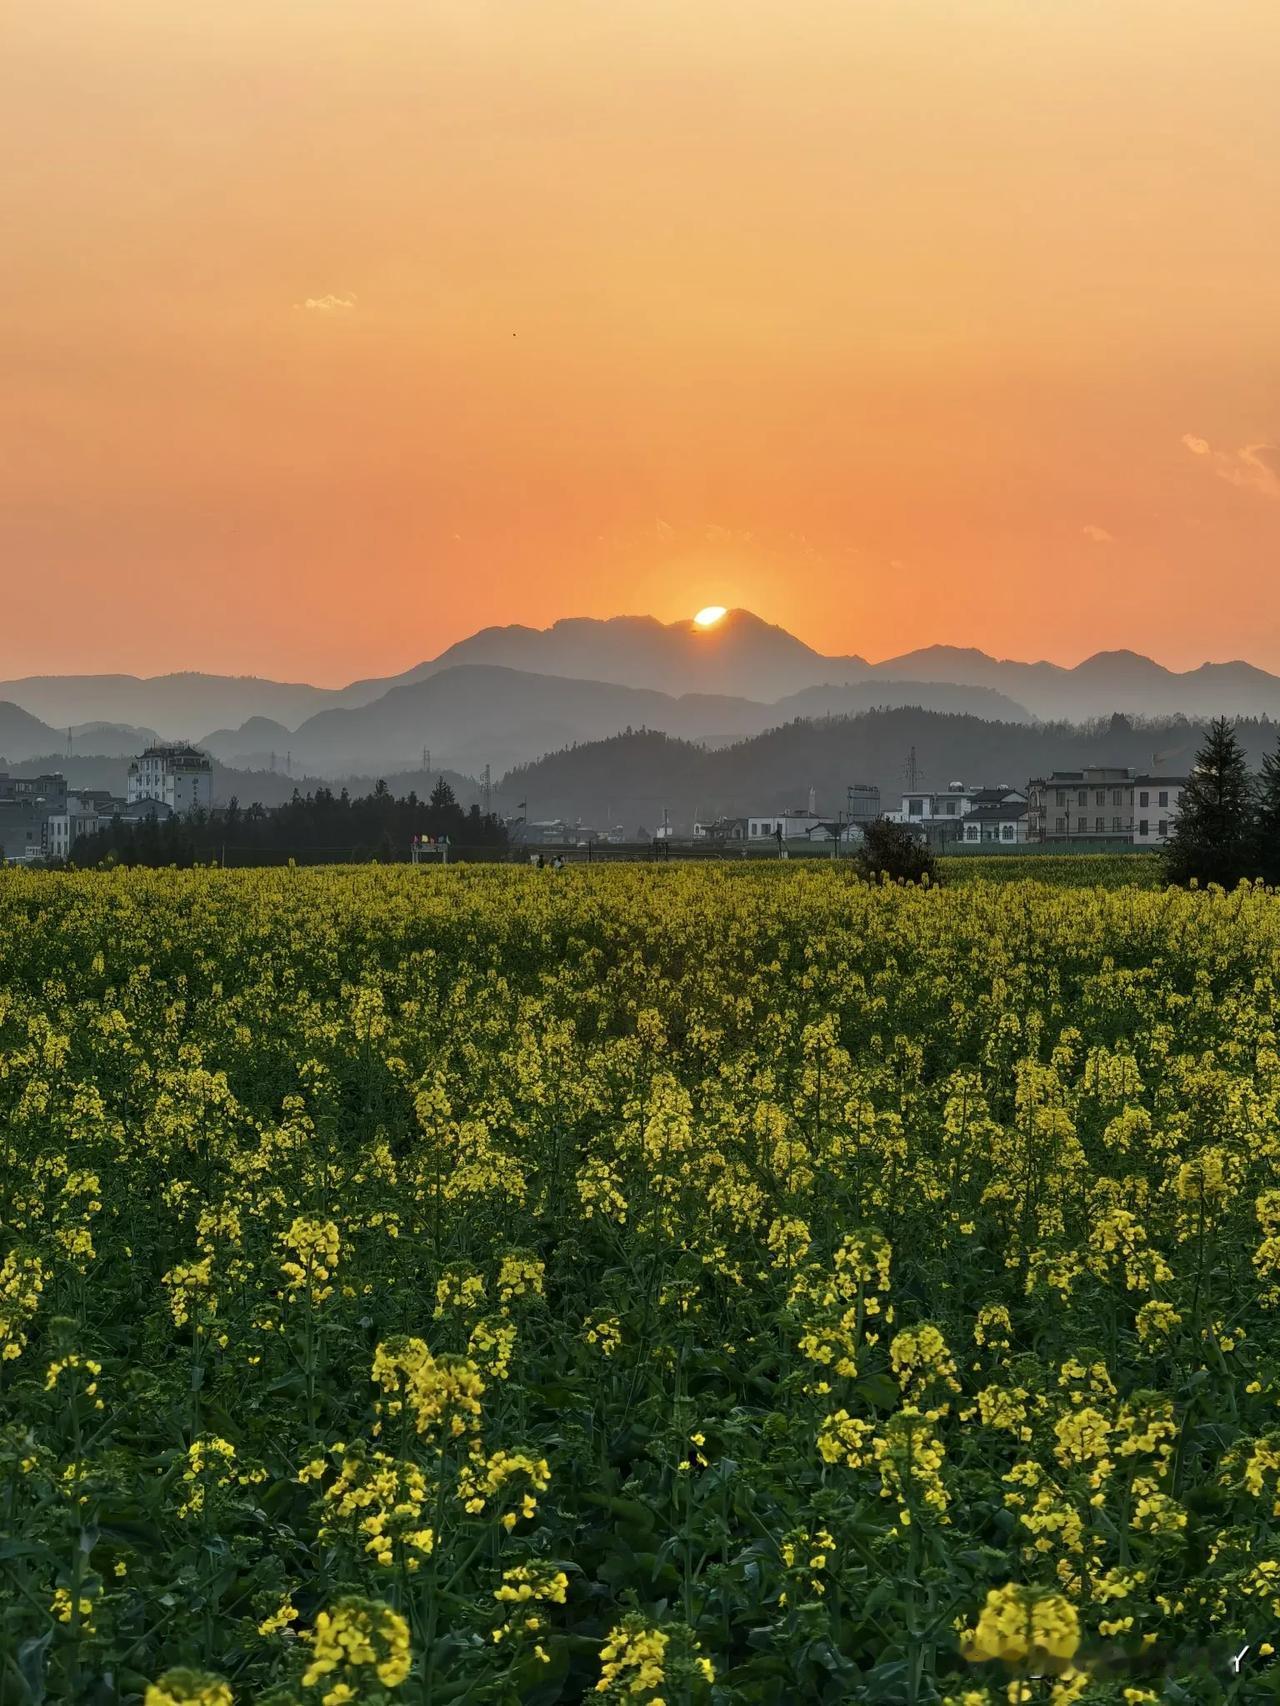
{"type": "Point", "coordinates": [335, 331]}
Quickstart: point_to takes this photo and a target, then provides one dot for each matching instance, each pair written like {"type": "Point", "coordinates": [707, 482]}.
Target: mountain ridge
{"type": "Point", "coordinates": [740, 657]}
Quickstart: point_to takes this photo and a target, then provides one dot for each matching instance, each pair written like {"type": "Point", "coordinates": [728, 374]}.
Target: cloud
{"type": "Point", "coordinates": [1253, 468]}
{"type": "Point", "coordinates": [328, 304]}
{"type": "Point", "coordinates": [1099, 535]}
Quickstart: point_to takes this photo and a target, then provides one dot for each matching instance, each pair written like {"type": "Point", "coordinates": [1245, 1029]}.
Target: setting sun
{"type": "Point", "coordinates": [710, 616]}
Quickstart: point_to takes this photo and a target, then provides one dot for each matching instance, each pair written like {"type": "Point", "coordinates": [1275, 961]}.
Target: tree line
{"type": "Point", "coordinates": [317, 828]}
{"type": "Point", "coordinates": [1228, 824]}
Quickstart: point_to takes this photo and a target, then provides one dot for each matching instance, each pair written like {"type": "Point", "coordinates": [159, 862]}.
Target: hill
{"type": "Point", "coordinates": [633, 777]}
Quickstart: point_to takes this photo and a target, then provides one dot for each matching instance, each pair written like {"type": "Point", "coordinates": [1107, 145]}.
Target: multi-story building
{"type": "Point", "coordinates": [178, 776]}
{"type": "Point", "coordinates": [1092, 804]}
{"type": "Point", "coordinates": [49, 790]}
{"type": "Point", "coordinates": [26, 804]}
{"type": "Point", "coordinates": [1103, 803]}
{"type": "Point", "coordinates": [86, 811]}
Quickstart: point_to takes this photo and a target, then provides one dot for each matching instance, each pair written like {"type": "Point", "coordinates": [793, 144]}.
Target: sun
{"type": "Point", "coordinates": [710, 616]}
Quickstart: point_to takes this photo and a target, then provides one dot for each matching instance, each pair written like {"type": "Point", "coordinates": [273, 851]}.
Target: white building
{"type": "Point", "coordinates": [63, 829]}
{"type": "Point", "coordinates": [783, 826]}
{"type": "Point", "coordinates": [1156, 800]}
{"type": "Point", "coordinates": [941, 818]}
{"type": "Point", "coordinates": [1003, 824]}
{"type": "Point", "coordinates": [178, 776]}
{"type": "Point", "coordinates": [928, 807]}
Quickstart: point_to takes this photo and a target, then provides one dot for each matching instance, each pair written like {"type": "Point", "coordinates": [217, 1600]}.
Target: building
{"type": "Point", "coordinates": [63, 829]}
{"type": "Point", "coordinates": [26, 804]}
{"type": "Point", "coordinates": [1103, 803]}
{"type": "Point", "coordinates": [1003, 824]}
{"type": "Point", "coordinates": [1156, 800]}
{"type": "Point", "coordinates": [22, 833]}
{"type": "Point", "coordinates": [49, 791]}
{"type": "Point", "coordinates": [720, 830]}
{"type": "Point", "coordinates": [178, 776]}
{"type": "Point", "coordinates": [862, 803]}
{"type": "Point", "coordinates": [940, 817]}
{"type": "Point", "coordinates": [782, 826]}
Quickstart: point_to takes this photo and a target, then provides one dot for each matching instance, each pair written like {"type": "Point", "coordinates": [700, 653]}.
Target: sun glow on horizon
{"type": "Point", "coordinates": [709, 616]}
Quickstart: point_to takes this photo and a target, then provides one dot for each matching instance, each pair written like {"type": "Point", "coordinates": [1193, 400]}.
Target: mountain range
{"type": "Point", "coordinates": [507, 695]}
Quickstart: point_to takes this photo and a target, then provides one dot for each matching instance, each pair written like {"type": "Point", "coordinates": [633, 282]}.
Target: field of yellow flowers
{"type": "Point", "coordinates": [689, 1285]}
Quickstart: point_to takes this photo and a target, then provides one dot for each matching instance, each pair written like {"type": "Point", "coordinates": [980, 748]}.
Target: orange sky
{"type": "Point", "coordinates": [336, 329]}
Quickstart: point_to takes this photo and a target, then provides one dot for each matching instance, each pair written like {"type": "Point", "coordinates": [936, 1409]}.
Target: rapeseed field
{"type": "Point", "coordinates": [653, 1285]}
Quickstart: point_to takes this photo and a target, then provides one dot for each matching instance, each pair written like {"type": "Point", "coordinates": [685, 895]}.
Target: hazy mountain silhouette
{"type": "Point", "coordinates": [22, 735]}
{"type": "Point", "coordinates": [181, 706]}
{"type": "Point", "coordinates": [712, 675]}
{"type": "Point", "coordinates": [477, 714]}
{"type": "Point", "coordinates": [252, 745]}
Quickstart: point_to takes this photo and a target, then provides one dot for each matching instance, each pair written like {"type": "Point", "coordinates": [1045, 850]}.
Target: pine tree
{"type": "Point", "coordinates": [442, 795]}
{"type": "Point", "coordinates": [1214, 840]}
{"type": "Point", "coordinates": [1268, 820]}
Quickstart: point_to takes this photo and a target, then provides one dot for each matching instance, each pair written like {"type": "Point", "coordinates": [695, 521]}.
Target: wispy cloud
{"type": "Point", "coordinates": [328, 304]}
{"type": "Point", "coordinates": [1254, 467]}
{"type": "Point", "coordinates": [1099, 535]}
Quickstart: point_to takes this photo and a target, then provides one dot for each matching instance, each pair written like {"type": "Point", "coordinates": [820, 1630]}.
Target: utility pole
{"type": "Point", "coordinates": [487, 792]}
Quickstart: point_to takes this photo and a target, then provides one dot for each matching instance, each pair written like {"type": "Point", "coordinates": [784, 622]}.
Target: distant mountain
{"type": "Point", "coordinates": [22, 735]}
{"type": "Point", "coordinates": [1121, 681]}
{"type": "Point", "coordinates": [181, 706]}
{"type": "Point", "coordinates": [737, 663]}
{"type": "Point", "coordinates": [476, 714]}
{"type": "Point", "coordinates": [746, 657]}
{"type": "Point", "coordinates": [256, 745]}
{"type": "Point", "coordinates": [879, 694]}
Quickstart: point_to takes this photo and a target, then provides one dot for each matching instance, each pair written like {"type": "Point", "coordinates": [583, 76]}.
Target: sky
{"type": "Point", "coordinates": [334, 330]}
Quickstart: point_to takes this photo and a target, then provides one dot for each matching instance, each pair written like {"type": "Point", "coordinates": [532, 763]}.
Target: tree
{"type": "Point", "coordinates": [1214, 840]}
{"type": "Point", "coordinates": [1267, 826]}
{"type": "Point", "coordinates": [442, 795]}
{"type": "Point", "coordinates": [891, 850]}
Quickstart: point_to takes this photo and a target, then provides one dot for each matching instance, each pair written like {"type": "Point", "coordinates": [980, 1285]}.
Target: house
{"type": "Point", "coordinates": [782, 826]}
{"type": "Point", "coordinates": [178, 776]}
{"type": "Point", "coordinates": [1003, 824]}
{"type": "Point", "coordinates": [939, 817]}
{"type": "Point", "coordinates": [720, 830]}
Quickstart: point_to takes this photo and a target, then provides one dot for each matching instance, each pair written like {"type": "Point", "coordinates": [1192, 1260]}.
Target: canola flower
{"type": "Point", "coordinates": [188, 1688]}
{"type": "Point", "coordinates": [780, 1252]}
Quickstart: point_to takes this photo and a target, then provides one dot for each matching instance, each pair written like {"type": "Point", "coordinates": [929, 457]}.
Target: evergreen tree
{"type": "Point", "coordinates": [442, 795]}
{"type": "Point", "coordinates": [1268, 820]}
{"type": "Point", "coordinates": [1214, 840]}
